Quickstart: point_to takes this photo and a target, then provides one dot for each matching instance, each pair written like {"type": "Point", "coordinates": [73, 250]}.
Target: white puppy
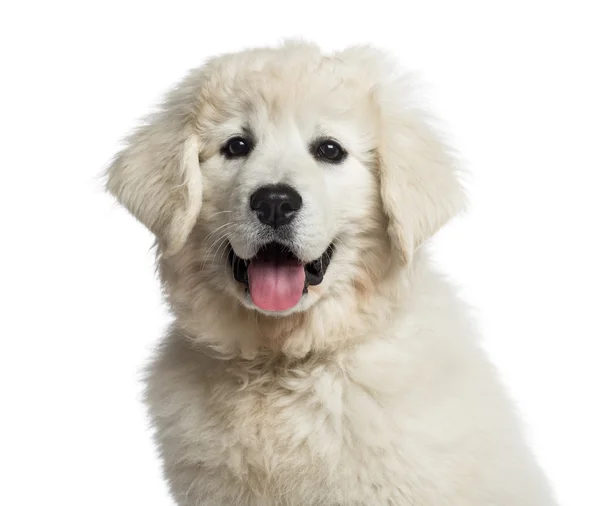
{"type": "Point", "coordinates": [315, 358]}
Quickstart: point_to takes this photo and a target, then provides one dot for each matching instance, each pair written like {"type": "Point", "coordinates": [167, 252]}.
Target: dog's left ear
{"type": "Point", "coordinates": [420, 185]}
{"type": "Point", "coordinates": [157, 175]}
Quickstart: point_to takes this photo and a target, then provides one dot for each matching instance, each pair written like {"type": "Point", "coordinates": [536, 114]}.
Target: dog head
{"type": "Point", "coordinates": [283, 178]}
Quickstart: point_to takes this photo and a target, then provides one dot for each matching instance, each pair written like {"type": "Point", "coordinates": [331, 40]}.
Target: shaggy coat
{"type": "Point", "coordinates": [372, 390]}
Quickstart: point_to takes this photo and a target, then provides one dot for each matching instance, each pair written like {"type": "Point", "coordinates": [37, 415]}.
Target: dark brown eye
{"type": "Point", "coordinates": [330, 151]}
{"type": "Point", "coordinates": [237, 147]}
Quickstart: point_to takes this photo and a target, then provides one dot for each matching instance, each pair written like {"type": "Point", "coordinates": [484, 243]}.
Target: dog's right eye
{"type": "Point", "coordinates": [236, 148]}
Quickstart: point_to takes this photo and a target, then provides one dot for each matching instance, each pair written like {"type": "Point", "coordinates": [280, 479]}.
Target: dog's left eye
{"type": "Point", "coordinates": [236, 147]}
{"type": "Point", "coordinates": [330, 151]}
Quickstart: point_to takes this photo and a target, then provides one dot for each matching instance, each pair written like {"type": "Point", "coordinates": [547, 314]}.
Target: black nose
{"type": "Point", "coordinates": [275, 205]}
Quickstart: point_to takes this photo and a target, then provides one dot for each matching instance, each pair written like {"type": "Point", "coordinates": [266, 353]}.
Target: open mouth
{"type": "Point", "coordinates": [275, 278]}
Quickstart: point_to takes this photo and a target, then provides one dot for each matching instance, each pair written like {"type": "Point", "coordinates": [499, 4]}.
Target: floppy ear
{"type": "Point", "coordinates": [420, 187]}
{"type": "Point", "coordinates": [157, 175]}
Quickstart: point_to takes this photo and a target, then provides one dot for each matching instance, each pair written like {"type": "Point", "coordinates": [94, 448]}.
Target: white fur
{"type": "Point", "coordinates": [372, 390]}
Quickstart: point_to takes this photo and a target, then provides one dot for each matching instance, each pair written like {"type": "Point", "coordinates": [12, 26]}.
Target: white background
{"type": "Point", "coordinates": [517, 84]}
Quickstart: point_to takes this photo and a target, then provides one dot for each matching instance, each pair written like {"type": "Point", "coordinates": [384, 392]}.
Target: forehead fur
{"type": "Point", "coordinates": [294, 83]}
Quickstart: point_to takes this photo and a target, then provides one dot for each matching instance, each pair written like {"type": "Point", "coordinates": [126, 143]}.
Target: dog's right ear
{"type": "Point", "coordinates": [157, 175]}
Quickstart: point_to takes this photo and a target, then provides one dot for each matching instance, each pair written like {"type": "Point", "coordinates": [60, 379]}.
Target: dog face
{"type": "Point", "coordinates": [281, 177]}
{"type": "Point", "coordinates": [289, 180]}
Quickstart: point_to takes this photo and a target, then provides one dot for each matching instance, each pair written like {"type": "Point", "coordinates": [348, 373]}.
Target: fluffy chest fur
{"type": "Point", "coordinates": [371, 426]}
{"type": "Point", "coordinates": [308, 435]}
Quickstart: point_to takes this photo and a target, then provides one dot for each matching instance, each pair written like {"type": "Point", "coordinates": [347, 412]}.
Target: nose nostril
{"type": "Point", "coordinates": [256, 202]}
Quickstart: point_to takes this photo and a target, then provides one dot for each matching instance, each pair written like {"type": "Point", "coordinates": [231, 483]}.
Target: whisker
{"type": "Point", "coordinates": [217, 214]}
{"type": "Point", "coordinates": [222, 255]}
{"type": "Point", "coordinates": [216, 244]}
{"type": "Point", "coordinates": [215, 231]}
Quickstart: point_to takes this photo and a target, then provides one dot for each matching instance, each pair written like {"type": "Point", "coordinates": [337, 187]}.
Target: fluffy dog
{"type": "Point", "coordinates": [315, 357]}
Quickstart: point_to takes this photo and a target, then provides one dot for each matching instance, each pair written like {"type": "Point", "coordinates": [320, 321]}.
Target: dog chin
{"type": "Point", "coordinates": [275, 281]}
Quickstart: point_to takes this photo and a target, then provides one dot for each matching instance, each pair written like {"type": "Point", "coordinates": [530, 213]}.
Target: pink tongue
{"type": "Point", "coordinates": [275, 287]}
